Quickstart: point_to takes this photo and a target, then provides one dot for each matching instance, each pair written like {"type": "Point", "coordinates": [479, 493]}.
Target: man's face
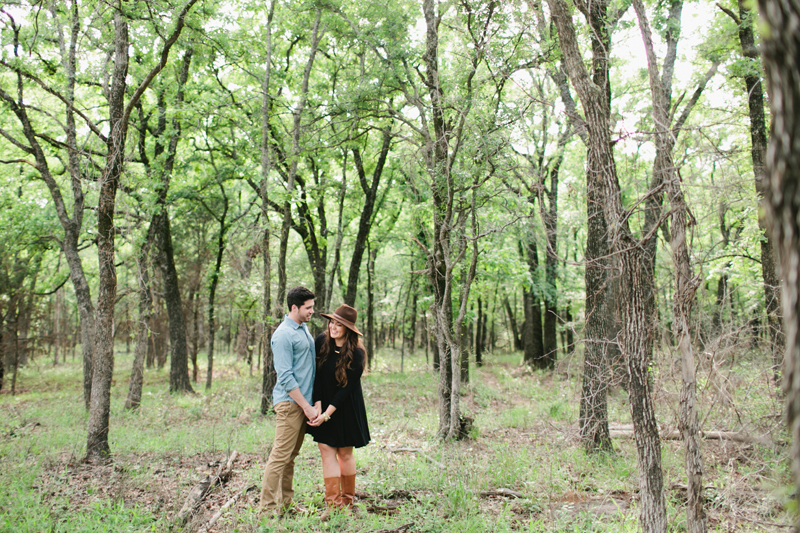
{"type": "Point", "coordinates": [305, 311]}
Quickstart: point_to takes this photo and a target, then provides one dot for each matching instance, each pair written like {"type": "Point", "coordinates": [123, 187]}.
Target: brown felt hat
{"type": "Point", "coordinates": [346, 316]}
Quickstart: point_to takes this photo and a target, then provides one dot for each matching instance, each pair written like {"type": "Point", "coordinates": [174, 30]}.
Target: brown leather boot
{"type": "Point", "coordinates": [333, 493]}
{"type": "Point", "coordinates": [348, 491]}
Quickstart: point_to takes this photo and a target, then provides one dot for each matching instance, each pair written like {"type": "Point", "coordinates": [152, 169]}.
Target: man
{"type": "Point", "coordinates": [294, 359]}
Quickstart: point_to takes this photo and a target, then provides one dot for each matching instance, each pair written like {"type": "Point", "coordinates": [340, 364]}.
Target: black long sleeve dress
{"type": "Point", "coordinates": [348, 424]}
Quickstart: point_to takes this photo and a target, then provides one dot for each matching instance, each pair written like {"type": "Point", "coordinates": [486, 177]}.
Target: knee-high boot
{"type": "Point", "coordinates": [348, 490]}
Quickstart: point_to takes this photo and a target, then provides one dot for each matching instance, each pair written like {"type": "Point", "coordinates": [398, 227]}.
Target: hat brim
{"type": "Point", "coordinates": [346, 323]}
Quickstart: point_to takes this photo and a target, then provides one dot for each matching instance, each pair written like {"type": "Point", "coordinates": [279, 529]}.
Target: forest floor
{"type": "Point", "coordinates": [522, 469]}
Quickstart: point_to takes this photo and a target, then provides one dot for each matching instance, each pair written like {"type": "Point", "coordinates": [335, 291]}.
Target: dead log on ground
{"type": "Point", "coordinates": [626, 432]}
{"type": "Point", "coordinates": [201, 490]}
{"type": "Point", "coordinates": [222, 509]}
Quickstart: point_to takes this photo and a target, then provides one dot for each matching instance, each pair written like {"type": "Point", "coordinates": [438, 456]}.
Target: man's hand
{"type": "Point", "coordinates": [310, 412]}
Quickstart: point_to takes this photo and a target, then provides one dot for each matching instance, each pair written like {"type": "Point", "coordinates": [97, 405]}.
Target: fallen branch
{"type": "Point", "coordinates": [419, 452]}
{"type": "Point", "coordinates": [388, 508]}
{"type": "Point", "coordinates": [201, 490]}
{"type": "Point", "coordinates": [15, 432]}
{"type": "Point", "coordinates": [505, 493]}
{"type": "Point", "coordinates": [627, 432]}
{"type": "Point", "coordinates": [402, 529]}
{"type": "Point", "coordinates": [225, 507]}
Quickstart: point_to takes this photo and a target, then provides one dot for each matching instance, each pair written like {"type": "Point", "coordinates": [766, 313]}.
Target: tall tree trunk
{"type": "Point", "coordinates": [758, 152]}
{"type": "Point", "coordinates": [297, 113]}
{"type": "Point", "coordinates": [212, 289]}
{"type": "Point", "coordinates": [97, 448]}
{"type": "Point", "coordinates": [532, 332]}
{"type": "Point", "coordinates": [179, 354]}
{"type": "Point", "coordinates": [593, 417]}
{"type": "Point", "coordinates": [636, 334]}
{"type": "Point", "coordinates": [480, 333]}
{"type": "Point", "coordinates": [781, 49]}
{"type": "Point", "coordinates": [271, 316]}
{"type": "Point", "coordinates": [685, 282]}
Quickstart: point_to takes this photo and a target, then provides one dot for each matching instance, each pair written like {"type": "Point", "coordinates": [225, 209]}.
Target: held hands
{"type": "Point", "coordinates": [323, 417]}
{"type": "Point", "coordinates": [311, 412]}
{"type": "Point", "coordinates": [313, 420]}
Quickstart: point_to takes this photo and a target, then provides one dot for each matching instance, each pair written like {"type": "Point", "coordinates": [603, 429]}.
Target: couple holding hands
{"type": "Point", "coordinates": [318, 390]}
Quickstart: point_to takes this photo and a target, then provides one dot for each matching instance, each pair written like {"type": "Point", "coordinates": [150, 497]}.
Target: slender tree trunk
{"type": "Point", "coordinates": [532, 332]}
{"type": "Point", "coordinates": [142, 331]}
{"type": "Point", "coordinates": [212, 290]}
{"type": "Point", "coordinates": [480, 333]}
{"type": "Point", "coordinates": [365, 222]}
{"type": "Point", "coordinates": [271, 316]}
{"type": "Point", "coordinates": [758, 153]}
{"type": "Point", "coordinates": [685, 282]}
{"type": "Point", "coordinates": [179, 356]}
{"type": "Point", "coordinates": [512, 325]}
{"type": "Point", "coordinates": [371, 332]}
{"type": "Point", "coordinates": [97, 449]}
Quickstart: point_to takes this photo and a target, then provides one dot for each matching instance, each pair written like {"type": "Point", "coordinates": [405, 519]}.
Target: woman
{"type": "Point", "coordinates": [342, 422]}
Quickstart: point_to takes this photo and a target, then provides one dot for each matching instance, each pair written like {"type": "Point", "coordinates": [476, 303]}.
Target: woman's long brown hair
{"type": "Point", "coordinates": [346, 353]}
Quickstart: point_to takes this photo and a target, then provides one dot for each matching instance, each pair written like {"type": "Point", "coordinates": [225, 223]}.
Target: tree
{"type": "Point", "coordinates": [781, 47]}
{"type": "Point", "coordinates": [27, 141]}
{"type": "Point", "coordinates": [97, 448]}
{"type": "Point", "coordinates": [636, 340]}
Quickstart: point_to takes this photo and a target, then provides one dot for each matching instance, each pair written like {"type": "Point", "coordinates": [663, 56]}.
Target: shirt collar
{"type": "Point", "coordinates": [289, 320]}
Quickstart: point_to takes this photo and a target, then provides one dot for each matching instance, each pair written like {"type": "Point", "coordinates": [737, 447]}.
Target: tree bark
{"type": "Point", "coordinates": [212, 289]}
{"type": "Point", "coordinates": [781, 50]}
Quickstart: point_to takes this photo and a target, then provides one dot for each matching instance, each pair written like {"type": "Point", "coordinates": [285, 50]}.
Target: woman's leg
{"type": "Point", "coordinates": [347, 466]}
{"type": "Point", "coordinates": [330, 465]}
{"type": "Point", "coordinates": [332, 475]}
{"type": "Point", "coordinates": [347, 461]}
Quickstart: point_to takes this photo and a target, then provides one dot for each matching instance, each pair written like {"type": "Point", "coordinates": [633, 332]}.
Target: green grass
{"type": "Point", "coordinates": [525, 438]}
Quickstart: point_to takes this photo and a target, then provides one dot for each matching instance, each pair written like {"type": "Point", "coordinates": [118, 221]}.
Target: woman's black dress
{"type": "Point", "coordinates": [348, 424]}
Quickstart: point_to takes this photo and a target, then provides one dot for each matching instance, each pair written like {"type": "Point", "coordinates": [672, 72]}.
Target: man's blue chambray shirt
{"type": "Point", "coordinates": [294, 359]}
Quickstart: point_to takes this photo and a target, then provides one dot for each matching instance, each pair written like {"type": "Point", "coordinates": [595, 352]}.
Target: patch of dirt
{"type": "Point", "coordinates": [157, 484]}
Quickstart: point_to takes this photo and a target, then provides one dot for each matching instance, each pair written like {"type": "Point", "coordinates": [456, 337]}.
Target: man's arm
{"type": "Point", "coordinates": [282, 359]}
{"type": "Point", "coordinates": [299, 399]}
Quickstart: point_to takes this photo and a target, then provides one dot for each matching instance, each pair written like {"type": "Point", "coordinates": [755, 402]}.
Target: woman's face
{"type": "Point", "coordinates": [336, 330]}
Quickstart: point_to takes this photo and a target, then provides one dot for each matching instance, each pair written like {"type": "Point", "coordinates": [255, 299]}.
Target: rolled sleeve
{"type": "Point", "coordinates": [282, 359]}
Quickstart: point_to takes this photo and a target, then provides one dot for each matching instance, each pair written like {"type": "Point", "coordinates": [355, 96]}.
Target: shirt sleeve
{"type": "Point", "coordinates": [281, 345]}
{"type": "Point", "coordinates": [353, 378]}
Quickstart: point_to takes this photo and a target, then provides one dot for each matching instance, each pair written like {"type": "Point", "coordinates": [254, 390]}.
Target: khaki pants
{"type": "Point", "coordinates": [290, 428]}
